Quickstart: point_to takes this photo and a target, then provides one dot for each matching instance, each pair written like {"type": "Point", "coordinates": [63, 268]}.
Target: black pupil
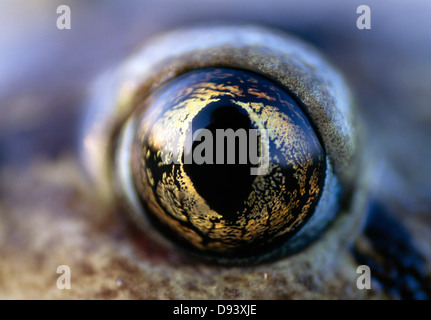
{"type": "Point", "coordinates": [225, 186]}
{"type": "Point", "coordinates": [252, 167]}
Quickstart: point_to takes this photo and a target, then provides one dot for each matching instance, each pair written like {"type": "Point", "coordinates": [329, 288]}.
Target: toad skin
{"type": "Point", "coordinates": [51, 217]}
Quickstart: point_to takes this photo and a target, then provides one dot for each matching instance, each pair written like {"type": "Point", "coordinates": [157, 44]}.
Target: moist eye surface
{"type": "Point", "coordinates": [225, 162]}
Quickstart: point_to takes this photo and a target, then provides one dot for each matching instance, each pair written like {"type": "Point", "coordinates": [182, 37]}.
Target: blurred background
{"type": "Point", "coordinates": [45, 75]}
{"type": "Point", "coordinates": [45, 72]}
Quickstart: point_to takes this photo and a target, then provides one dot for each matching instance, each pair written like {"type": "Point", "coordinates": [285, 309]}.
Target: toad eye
{"type": "Point", "coordinates": [236, 143]}
{"type": "Point", "coordinates": [225, 162]}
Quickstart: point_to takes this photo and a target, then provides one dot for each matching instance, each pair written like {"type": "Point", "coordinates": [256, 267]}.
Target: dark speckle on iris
{"type": "Point", "coordinates": [218, 207]}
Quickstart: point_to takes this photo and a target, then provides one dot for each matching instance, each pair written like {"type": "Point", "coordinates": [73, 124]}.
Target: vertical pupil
{"type": "Point", "coordinates": [226, 162]}
{"type": "Point", "coordinates": [224, 185]}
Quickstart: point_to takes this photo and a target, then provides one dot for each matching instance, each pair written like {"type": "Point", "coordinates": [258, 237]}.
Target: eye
{"type": "Point", "coordinates": [235, 143]}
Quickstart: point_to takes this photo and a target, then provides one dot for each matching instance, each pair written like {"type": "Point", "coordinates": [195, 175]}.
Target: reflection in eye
{"type": "Point", "coordinates": [237, 147]}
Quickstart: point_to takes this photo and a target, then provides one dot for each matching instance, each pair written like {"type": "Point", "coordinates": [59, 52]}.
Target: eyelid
{"type": "Point", "coordinates": [293, 65]}
{"type": "Point", "coordinates": [284, 59]}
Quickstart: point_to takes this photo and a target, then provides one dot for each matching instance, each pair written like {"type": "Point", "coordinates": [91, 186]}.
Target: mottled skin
{"type": "Point", "coordinates": [51, 216]}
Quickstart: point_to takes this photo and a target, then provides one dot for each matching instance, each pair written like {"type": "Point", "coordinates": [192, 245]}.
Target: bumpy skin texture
{"type": "Point", "coordinates": [50, 215]}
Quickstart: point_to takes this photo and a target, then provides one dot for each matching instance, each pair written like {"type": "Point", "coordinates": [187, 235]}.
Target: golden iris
{"type": "Point", "coordinates": [219, 207]}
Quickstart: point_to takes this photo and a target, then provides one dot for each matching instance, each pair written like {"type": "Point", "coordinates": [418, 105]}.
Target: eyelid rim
{"type": "Point", "coordinates": [280, 57]}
